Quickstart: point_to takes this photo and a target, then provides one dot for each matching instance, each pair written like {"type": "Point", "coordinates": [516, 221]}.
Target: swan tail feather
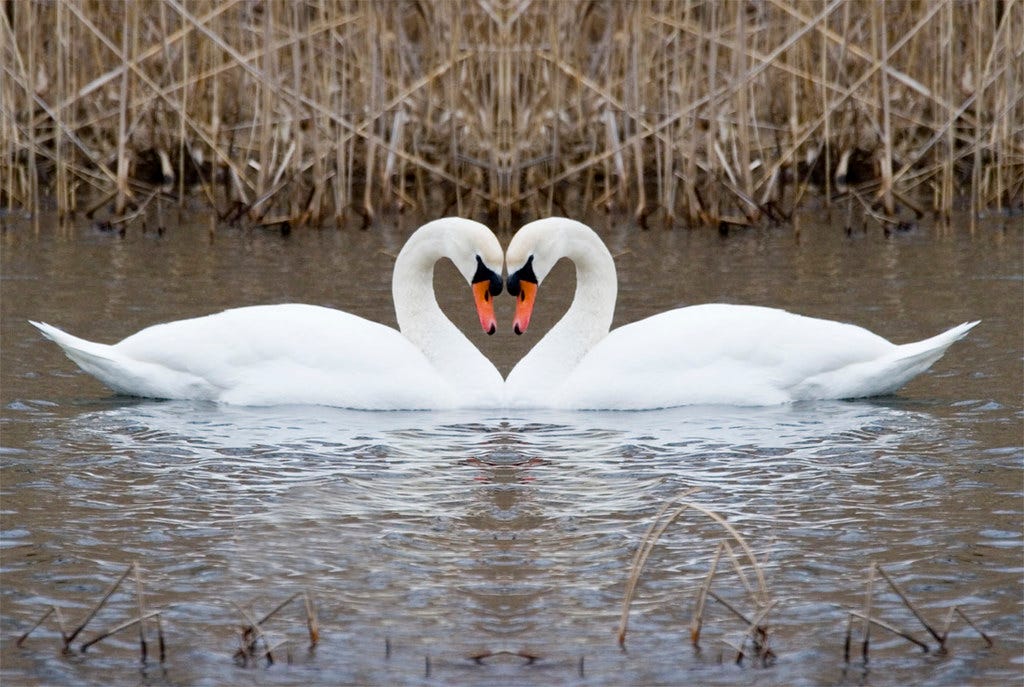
{"type": "Point", "coordinates": [910, 360]}
{"type": "Point", "coordinates": [884, 375]}
{"type": "Point", "coordinates": [123, 374]}
{"type": "Point", "coordinates": [936, 345]}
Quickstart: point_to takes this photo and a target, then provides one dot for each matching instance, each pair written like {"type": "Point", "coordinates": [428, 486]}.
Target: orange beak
{"type": "Point", "coordinates": [524, 305]}
{"type": "Point", "coordinates": [485, 306]}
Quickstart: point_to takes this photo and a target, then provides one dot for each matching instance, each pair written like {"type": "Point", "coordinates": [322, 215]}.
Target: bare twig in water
{"type": "Point", "coordinates": [739, 614]}
{"type": "Point", "coordinates": [160, 639]}
{"type": "Point", "coordinates": [42, 618]}
{"type": "Point", "coordinates": [891, 628]}
{"type": "Point", "coordinates": [867, 612]}
{"type": "Point", "coordinates": [758, 633]}
{"type": "Point", "coordinates": [95, 609]}
{"type": "Point", "coordinates": [945, 629]}
{"type": "Point", "coordinates": [117, 628]}
{"type": "Point", "coordinates": [143, 649]}
{"type": "Point", "coordinates": [251, 634]}
{"type": "Point", "coordinates": [908, 604]}
{"type": "Point", "coordinates": [278, 608]}
{"type": "Point", "coordinates": [988, 640]}
{"type": "Point", "coordinates": [849, 636]}
{"type": "Point", "coordinates": [737, 648]}
{"type": "Point", "coordinates": [312, 623]}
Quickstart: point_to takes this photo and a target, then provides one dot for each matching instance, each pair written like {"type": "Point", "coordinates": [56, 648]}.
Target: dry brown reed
{"type": "Point", "coordinates": [253, 632]}
{"type": "Point", "coordinates": [868, 620]}
{"type": "Point", "coordinates": [140, 620]}
{"type": "Point", "coordinates": [699, 112]}
{"type": "Point", "coordinates": [759, 596]}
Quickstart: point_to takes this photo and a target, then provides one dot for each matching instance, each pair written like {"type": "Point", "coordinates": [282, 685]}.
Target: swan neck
{"type": "Point", "coordinates": [424, 324]}
{"type": "Point", "coordinates": [589, 317]}
{"type": "Point", "coordinates": [412, 286]}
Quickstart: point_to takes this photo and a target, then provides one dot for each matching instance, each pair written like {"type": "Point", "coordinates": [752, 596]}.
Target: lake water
{"type": "Point", "coordinates": [431, 538]}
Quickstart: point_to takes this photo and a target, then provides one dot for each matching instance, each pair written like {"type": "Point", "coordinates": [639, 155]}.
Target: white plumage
{"type": "Point", "coordinates": [714, 353]}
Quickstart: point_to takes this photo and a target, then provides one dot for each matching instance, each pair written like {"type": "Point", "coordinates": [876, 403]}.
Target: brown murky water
{"type": "Point", "coordinates": [428, 538]}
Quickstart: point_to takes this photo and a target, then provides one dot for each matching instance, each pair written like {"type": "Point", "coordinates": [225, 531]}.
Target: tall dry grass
{"type": "Point", "coordinates": [693, 112]}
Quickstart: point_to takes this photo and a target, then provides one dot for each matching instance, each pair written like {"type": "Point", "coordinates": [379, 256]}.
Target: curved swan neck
{"type": "Point", "coordinates": [420, 318]}
{"type": "Point", "coordinates": [589, 317]}
{"type": "Point", "coordinates": [587, 320]}
{"type": "Point", "coordinates": [412, 282]}
{"type": "Point", "coordinates": [596, 282]}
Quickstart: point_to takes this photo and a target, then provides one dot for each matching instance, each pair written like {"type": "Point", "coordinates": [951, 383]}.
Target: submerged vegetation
{"type": "Point", "coordinates": [681, 111]}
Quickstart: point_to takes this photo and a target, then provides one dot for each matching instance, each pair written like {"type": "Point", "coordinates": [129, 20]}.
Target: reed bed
{"type": "Point", "coordinates": [319, 112]}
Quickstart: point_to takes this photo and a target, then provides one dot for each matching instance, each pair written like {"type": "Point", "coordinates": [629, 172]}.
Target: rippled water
{"type": "Point", "coordinates": [429, 538]}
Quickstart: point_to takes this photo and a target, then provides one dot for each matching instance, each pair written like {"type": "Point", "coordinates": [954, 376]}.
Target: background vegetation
{"type": "Point", "coordinates": [688, 112]}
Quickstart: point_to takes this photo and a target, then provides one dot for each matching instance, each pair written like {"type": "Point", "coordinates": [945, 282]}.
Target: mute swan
{"type": "Point", "coordinates": [714, 353]}
{"type": "Point", "coordinates": [306, 354]}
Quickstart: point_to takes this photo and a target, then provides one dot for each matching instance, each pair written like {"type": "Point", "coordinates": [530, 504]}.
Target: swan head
{"type": "Point", "coordinates": [478, 256]}
{"type": "Point", "coordinates": [532, 254]}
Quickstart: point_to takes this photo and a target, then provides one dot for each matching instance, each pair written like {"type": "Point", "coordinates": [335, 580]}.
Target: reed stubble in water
{"type": "Point", "coordinates": [868, 619]}
{"type": "Point", "coordinates": [68, 637]}
{"type": "Point", "coordinates": [693, 112]}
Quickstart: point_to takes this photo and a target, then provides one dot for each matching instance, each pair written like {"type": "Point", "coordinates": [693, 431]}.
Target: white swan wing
{"type": "Point", "coordinates": [264, 355]}
{"type": "Point", "coordinates": [741, 355]}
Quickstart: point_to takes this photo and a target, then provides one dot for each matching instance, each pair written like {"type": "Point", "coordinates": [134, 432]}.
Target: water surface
{"type": "Point", "coordinates": [428, 538]}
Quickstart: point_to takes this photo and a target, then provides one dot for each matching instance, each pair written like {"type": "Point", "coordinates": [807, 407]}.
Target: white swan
{"type": "Point", "coordinates": [280, 354]}
{"type": "Point", "coordinates": [714, 353]}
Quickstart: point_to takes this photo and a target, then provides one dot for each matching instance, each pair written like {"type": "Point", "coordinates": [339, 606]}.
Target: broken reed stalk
{"type": "Point", "coordinates": [906, 602]}
{"type": "Point", "coordinates": [868, 621]}
{"type": "Point", "coordinates": [277, 608]}
{"type": "Point", "coordinates": [960, 612]}
{"type": "Point", "coordinates": [160, 639]}
{"type": "Point", "coordinates": [739, 570]}
{"type": "Point", "coordinates": [95, 609]}
{"type": "Point", "coordinates": [849, 638]}
{"type": "Point", "coordinates": [42, 618]}
{"type": "Point", "coordinates": [702, 594]}
{"type": "Point", "coordinates": [251, 636]}
{"type": "Point", "coordinates": [67, 638]}
{"type": "Point", "coordinates": [866, 617]}
{"type": "Point", "coordinates": [758, 634]}
{"type": "Point", "coordinates": [761, 595]}
{"type": "Point", "coordinates": [253, 632]}
{"type": "Point", "coordinates": [123, 626]}
{"type": "Point", "coordinates": [891, 628]}
{"type": "Point", "coordinates": [312, 623]}
{"type": "Point", "coordinates": [732, 609]}
{"type": "Point", "coordinates": [142, 611]}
